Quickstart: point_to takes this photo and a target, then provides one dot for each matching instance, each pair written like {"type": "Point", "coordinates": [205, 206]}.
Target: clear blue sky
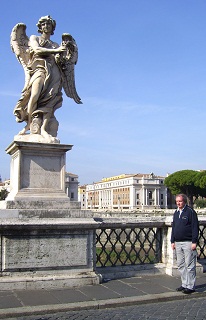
{"type": "Point", "coordinates": [141, 75]}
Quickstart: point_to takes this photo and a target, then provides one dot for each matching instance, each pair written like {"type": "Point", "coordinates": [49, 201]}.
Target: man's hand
{"type": "Point", "coordinates": [193, 246]}
{"type": "Point", "coordinates": [173, 246]}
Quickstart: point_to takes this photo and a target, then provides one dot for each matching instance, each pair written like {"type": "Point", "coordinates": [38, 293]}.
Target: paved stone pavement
{"type": "Point", "coordinates": [126, 298]}
{"type": "Point", "coordinates": [190, 309]}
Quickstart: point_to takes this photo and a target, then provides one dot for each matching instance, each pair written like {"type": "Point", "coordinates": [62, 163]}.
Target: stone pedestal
{"type": "Point", "coordinates": [37, 171]}
{"type": "Point", "coordinates": [46, 241]}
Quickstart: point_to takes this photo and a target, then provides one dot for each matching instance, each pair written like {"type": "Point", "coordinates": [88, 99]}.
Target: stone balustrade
{"type": "Point", "coordinates": [144, 235]}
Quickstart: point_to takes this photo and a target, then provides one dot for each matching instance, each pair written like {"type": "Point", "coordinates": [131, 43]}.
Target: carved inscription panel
{"type": "Point", "coordinates": [44, 252]}
{"type": "Point", "coordinates": [41, 172]}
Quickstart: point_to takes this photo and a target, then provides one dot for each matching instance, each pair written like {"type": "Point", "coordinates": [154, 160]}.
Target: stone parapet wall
{"type": "Point", "coordinates": [47, 253]}
{"type": "Point", "coordinates": [164, 226]}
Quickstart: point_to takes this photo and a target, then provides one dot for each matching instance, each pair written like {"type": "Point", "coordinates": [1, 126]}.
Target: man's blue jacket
{"type": "Point", "coordinates": [185, 227]}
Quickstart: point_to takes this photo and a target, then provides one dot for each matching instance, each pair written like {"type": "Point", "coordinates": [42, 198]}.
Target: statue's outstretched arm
{"type": "Point", "coordinates": [35, 46]}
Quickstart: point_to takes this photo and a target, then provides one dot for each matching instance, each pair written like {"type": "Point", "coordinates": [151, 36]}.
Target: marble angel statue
{"type": "Point", "coordinates": [48, 68]}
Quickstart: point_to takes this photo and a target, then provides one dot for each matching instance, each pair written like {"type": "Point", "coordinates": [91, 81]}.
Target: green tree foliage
{"type": "Point", "coordinates": [190, 182]}
{"type": "Point", "coordinates": [201, 181]}
{"type": "Point", "coordinates": [3, 194]}
{"type": "Point", "coordinates": [200, 203]}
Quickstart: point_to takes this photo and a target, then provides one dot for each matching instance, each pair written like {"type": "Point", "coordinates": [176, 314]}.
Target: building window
{"type": "Point", "coordinates": [72, 195]}
{"type": "Point", "coordinates": [137, 195]}
{"type": "Point", "coordinates": [150, 195]}
{"type": "Point", "coordinates": [161, 196]}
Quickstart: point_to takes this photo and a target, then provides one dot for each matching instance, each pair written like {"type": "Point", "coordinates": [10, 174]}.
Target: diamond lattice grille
{"type": "Point", "coordinates": [201, 245]}
{"type": "Point", "coordinates": [129, 246]}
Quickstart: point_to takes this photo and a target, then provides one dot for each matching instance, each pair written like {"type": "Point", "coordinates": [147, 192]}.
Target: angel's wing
{"type": "Point", "coordinates": [20, 46]}
{"type": "Point", "coordinates": [67, 64]}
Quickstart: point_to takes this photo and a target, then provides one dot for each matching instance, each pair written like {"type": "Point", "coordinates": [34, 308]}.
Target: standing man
{"type": "Point", "coordinates": [185, 229]}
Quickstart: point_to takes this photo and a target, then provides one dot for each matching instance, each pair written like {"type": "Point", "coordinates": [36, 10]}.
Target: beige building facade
{"type": "Point", "coordinates": [71, 186]}
{"type": "Point", "coordinates": [82, 196]}
{"type": "Point", "coordinates": [126, 192]}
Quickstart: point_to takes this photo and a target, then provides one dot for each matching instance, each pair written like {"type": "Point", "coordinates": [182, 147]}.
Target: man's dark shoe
{"type": "Point", "coordinates": [188, 291]}
{"type": "Point", "coordinates": [180, 289]}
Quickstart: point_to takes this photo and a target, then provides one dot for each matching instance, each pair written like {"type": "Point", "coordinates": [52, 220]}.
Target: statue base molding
{"type": "Point", "coordinates": [37, 172]}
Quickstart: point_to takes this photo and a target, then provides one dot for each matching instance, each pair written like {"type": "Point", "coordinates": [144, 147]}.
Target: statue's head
{"type": "Point", "coordinates": [43, 19]}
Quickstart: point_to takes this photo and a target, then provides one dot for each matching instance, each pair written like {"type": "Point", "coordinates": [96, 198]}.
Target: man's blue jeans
{"type": "Point", "coordinates": [186, 263]}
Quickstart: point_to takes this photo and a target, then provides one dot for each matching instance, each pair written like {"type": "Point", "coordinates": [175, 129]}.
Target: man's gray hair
{"type": "Point", "coordinates": [184, 197]}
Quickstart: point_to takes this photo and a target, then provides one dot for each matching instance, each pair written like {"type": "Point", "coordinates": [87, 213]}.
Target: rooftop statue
{"type": "Point", "coordinates": [48, 68]}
